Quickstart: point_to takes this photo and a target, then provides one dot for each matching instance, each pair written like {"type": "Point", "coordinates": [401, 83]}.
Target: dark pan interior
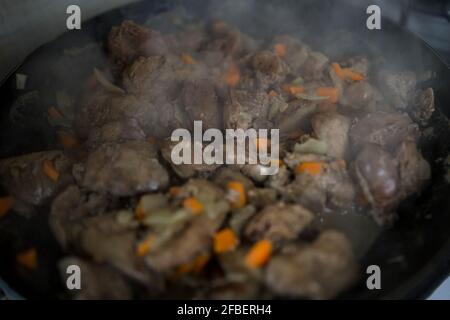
{"type": "Point", "coordinates": [414, 255]}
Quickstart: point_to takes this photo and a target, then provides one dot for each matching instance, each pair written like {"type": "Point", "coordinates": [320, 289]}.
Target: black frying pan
{"type": "Point", "coordinates": [414, 255]}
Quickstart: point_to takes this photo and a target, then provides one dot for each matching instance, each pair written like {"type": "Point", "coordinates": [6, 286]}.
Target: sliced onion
{"type": "Point", "coordinates": [310, 97]}
{"type": "Point", "coordinates": [103, 80]}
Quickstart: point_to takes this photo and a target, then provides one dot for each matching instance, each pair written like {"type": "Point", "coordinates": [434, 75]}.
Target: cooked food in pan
{"type": "Point", "coordinates": [140, 226]}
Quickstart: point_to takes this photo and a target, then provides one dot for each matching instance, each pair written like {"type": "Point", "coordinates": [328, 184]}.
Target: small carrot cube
{"type": "Point", "coordinates": [144, 247]}
{"type": "Point", "coordinates": [193, 205]}
{"type": "Point", "coordinates": [330, 92]}
{"type": "Point", "coordinates": [232, 75]}
{"type": "Point", "coordinates": [312, 168]}
{"type": "Point", "coordinates": [139, 212]}
{"type": "Point", "coordinates": [280, 49]}
{"type": "Point", "coordinates": [259, 254]}
{"type": "Point", "coordinates": [237, 194]}
{"type": "Point", "coordinates": [293, 89]}
{"type": "Point", "coordinates": [174, 191]}
{"type": "Point", "coordinates": [28, 259]}
{"type": "Point", "coordinates": [272, 93]}
{"type": "Point", "coordinates": [225, 240]}
{"type": "Point", "coordinates": [68, 140]}
{"type": "Point", "coordinates": [50, 170]}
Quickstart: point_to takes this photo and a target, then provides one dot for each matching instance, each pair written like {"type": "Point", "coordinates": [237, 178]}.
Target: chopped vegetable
{"type": "Point", "coordinates": [232, 75]}
{"type": "Point", "coordinates": [280, 49]}
{"type": "Point", "coordinates": [259, 254]}
{"type": "Point", "coordinates": [144, 247]}
{"type": "Point", "coordinates": [329, 92]}
{"type": "Point", "coordinates": [6, 204]}
{"type": "Point", "coordinates": [347, 73]}
{"type": "Point", "coordinates": [174, 191]}
{"type": "Point", "coordinates": [298, 80]}
{"type": "Point", "coordinates": [293, 89]}
{"type": "Point", "coordinates": [68, 140]}
{"type": "Point", "coordinates": [310, 97]}
{"type": "Point", "coordinates": [50, 170]}
{"type": "Point", "coordinates": [224, 241]}
{"type": "Point", "coordinates": [103, 80]}
{"type": "Point", "coordinates": [139, 212]}
{"type": "Point", "coordinates": [54, 113]}
{"type": "Point", "coordinates": [338, 70]}
{"type": "Point", "coordinates": [272, 93]}
{"type": "Point", "coordinates": [196, 265]}
{"type": "Point", "coordinates": [193, 205]}
{"type": "Point", "coordinates": [21, 80]}
{"type": "Point", "coordinates": [352, 75]}
{"type": "Point", "coordinates": [312, 146]}
{"type": "Point", "coordinates": [187, 58]}
{"type": "Point", "coordinates": [28, 259]}
{"type": "Point", "coordinates": [312, 168]}
{"type": "Point", "coordinates": [237, 194]}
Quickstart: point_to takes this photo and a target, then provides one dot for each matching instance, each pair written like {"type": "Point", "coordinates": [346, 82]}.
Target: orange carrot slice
{"type": "Point", "coordinates": [330, 92]}
{"type": "Point", "coordinates": [280, 49]}
{"type": "Point", "coordinates": [28, 259]}
{"type": "Point", "coordinates": [225, 240]}
{"type": "Point", "coordinates": [312, 168]}
{"type": "Point", "coordinates": [259, 254]}
{"type": "Point", "coordinates": [238, 195]}
{"type": "Point", "coordinates": [232, 75]}
{"type": "Point", "coordinates": [193, 205]}
{"type": "Point", "coordinates": [50, 170]}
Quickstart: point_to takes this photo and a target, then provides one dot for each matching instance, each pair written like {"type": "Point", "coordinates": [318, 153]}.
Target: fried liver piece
{"type": "Point", "coordinates": [278, 223]}
{"type": "Point", "coordinates": [124, 169]}
{"type": "Point", "coordinates": [318, 271]}
{"type": "Point", "coordinates": [25, 176]}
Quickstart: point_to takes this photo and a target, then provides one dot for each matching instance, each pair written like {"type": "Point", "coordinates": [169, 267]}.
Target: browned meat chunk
{"type": "Point", "coordinates": [154, 77]}
{"type": "Point", "coordinates": [377, 176]}
{"type": "Point", "coordinates": [35, 178]}
{"type": "Point", "coordinates": [330, 188]}
{"type": "Point", "coordinates": [69, 208]}
{"type": "Point", "coordinates": [270, 65]}
{"type": "Point", "coordinates": [360, 95]}
{"type": "Point", "coordinates": [384, 129]}
{"type": "Point", "coordinates": [296, 51]}
{"type": "Point", "coordinates": [200, 101]}
{"type": "Point", "coordinates": [194, 238]}
{"type": "Point", "coordinates": [185, 170]}
{"type": "Point", "coordinates": [399, 87]}
{"type": "Point", "coordinates": [423, 106]}
{"type": "Point", "coordinates": [311, 272]}
{"type": "Point", "coordinates": [332, 128]}
{"type": "Point", "coordinates": [242, 108]}
{"type": "Point", "coordinates": [155, 119]}
{"type": "Point", "coordinates": [130, 40]}
{"type": "Point", "coordinates": [314, 66]}
{"type": "Point", "coordinates": [414, 170]}
{"type": "Point", "coordinates": [278, 223]}
{"type": "Point", "coordinates": [116, 131]}
{"type": "Point", "coordinates": [124, 169]}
